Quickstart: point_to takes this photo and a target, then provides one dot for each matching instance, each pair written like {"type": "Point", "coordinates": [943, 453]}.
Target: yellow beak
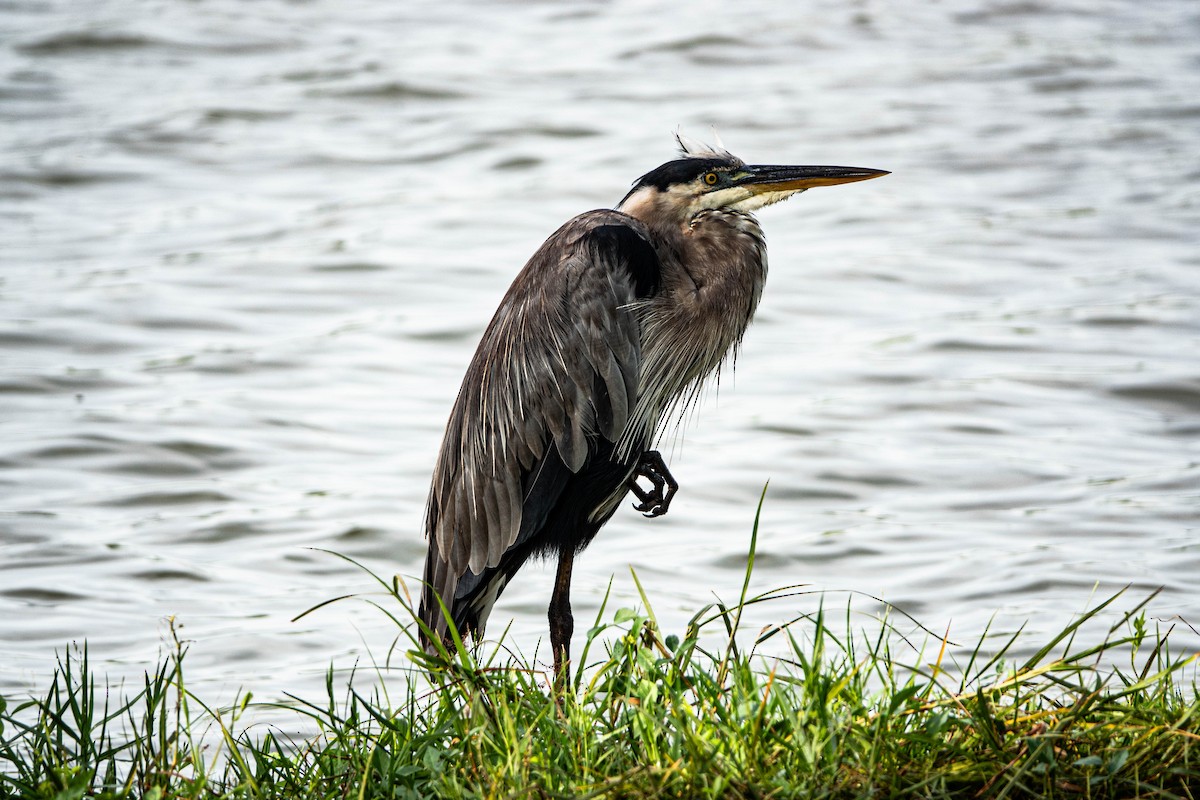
{"type": "Point", "coordinates": [760, 179]}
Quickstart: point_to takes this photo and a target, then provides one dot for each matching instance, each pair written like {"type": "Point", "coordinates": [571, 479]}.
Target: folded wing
{"type": "Point", "coordinates": [551, 388]}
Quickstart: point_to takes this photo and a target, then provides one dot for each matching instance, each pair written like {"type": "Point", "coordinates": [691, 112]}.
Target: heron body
{"type": "Point", "coordinates": [613, 324]}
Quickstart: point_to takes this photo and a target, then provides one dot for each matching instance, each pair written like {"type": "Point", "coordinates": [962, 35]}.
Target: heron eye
{"type": "Point", "coordinates": [711, 178]}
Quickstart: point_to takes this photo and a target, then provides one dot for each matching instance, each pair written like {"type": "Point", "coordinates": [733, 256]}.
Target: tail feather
{"type": "Point", "coordinates": [468, 599]}
{"type": "Point", "coordinates": [439, 583]}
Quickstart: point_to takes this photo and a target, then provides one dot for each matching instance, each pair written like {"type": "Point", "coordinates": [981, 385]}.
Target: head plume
{"type": "Point", "coordinates": [694, 148]}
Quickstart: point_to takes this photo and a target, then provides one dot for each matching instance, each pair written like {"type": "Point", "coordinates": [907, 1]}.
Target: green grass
{"type": "Point", "coordinates": [704, 713]}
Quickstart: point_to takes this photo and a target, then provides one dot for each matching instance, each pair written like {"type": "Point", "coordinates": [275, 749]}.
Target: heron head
{"type": "Point", "coordinates": [713, 178]}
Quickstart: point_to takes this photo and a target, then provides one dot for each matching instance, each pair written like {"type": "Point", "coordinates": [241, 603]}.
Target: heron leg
{"type": "Point", "coordinates": [562, 624]}
{"type": "Point", "coordinates": [654, 501]}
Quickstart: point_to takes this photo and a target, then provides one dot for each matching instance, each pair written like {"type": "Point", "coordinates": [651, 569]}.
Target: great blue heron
{"type": "Point", "coordinates": [615, 321]}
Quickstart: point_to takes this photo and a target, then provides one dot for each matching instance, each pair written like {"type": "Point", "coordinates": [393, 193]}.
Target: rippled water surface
{"type": "Point", "coordinates": [246, 251]}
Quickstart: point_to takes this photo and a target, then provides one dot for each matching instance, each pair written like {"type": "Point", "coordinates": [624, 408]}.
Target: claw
{"type": "Point", "coordinates": [654, 501]}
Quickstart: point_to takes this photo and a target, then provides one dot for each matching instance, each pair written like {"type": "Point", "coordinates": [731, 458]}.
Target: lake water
{"type": "Point", "coordinates": [246, 251]}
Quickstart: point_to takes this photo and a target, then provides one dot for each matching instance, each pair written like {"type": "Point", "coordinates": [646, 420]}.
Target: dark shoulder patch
{"type": "Point", "coordinates": [624, 245]}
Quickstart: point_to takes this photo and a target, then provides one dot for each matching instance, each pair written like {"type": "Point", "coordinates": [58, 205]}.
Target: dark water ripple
{"type": "Point", "coordinates": [246, 252]}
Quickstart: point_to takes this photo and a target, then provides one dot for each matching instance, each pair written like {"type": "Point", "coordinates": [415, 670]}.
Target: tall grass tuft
{"type": "Point", "coordinates": [802, 709]}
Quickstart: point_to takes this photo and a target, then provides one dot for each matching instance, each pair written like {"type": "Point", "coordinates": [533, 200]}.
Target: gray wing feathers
{"type": "Point", "coordinates": [566, 327]}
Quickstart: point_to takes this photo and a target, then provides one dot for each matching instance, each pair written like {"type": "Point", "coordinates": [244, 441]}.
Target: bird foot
{"type": "Point", "coordinates": [656, 500]}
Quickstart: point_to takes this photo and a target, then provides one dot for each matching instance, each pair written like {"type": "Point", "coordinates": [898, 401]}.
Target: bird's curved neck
{"type": "Point", "coordinates": [659, 211]}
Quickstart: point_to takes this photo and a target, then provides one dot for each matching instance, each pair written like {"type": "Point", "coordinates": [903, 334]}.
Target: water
{"type": "Point", "coordinates": [246, 251]}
